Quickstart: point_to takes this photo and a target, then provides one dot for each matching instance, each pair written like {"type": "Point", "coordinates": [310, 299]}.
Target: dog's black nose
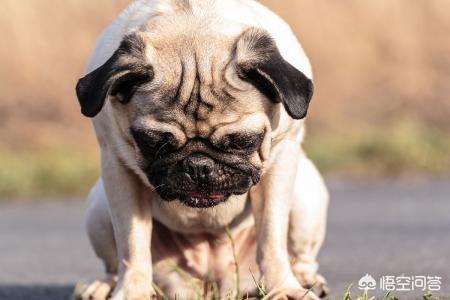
{"type": "Point", "coordinates": [198, 166]}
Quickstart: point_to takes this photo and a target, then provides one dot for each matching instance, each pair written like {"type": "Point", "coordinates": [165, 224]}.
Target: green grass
{"type": "Point", "coordinates": [212, 294]}
{"type": "Point", "coordinates": [47, 172]}
{"type": "Point", "coordinates": [403, 150]}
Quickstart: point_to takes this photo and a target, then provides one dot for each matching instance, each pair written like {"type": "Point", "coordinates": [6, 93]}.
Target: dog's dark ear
{"type": "Point", "coordinates": [119, 77]}
{"type": "Point", "coordinates": [259, 62]}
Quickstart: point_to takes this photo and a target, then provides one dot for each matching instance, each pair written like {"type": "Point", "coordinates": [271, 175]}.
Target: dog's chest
{"type": "Point", "coordinates": [204, 256]}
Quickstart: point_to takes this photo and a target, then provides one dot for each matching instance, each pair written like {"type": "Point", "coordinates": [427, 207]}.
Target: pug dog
{"type": "Point", "coordinates": [198, 108]}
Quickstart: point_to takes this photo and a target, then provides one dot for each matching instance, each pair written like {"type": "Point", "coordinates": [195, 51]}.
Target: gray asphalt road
{"type": "Point", "coordinates": [379, 229]}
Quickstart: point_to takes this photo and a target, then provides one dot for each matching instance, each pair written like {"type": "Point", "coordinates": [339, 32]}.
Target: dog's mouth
{"type": "Point", "coordinates": [201, 196]}
{"type": "Point", "coordinates": [199, 187]}
{"type": "Point", "coordinates": [203, 200]}
{"type": "Point", "coordinates": [198, 198]}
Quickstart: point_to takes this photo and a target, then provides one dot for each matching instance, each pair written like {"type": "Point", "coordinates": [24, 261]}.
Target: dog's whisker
{"type": "Point", "coordinates": [157, 187]}
{"type": "Point", "coordinates": [161, 148]}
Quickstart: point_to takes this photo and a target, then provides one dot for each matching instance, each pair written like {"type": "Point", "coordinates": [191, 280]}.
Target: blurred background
{"type": "Point", "coordinates": [378, 128]}
{"type": "Point", "coordinates": [381, 108]}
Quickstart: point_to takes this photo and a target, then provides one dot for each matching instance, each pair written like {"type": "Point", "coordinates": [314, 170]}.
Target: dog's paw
{"type": "Point", "coordinates": [135, 285]}
{"type": "Point", "coordinates": [287, 289]}
{"type": "Point", "coordinates": [140, 294]}
{"type": "Point", "coordinates": [292, 294]}
{"type": "Point", "coordinates": [315, 282]}
{"type": "Point", "coordinates": [97, 290]}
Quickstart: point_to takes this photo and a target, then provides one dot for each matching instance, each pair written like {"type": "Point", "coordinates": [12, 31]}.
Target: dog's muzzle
{"type": "Point", "coordinates": [200, 181]}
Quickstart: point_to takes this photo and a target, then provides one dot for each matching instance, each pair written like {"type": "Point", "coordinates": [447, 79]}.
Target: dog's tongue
{"type": "Point", "coordinates": [204, 196]}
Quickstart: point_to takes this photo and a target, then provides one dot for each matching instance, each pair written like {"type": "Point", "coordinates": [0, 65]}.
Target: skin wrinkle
{"type": "Point", "coordinates": [187, 85]}
{"type": "Point", "coordinates": [224, 77]}
{"type": "Point", "coordinates": [175, 99]}
{"type": "Point", "coordinates": [213, 64]}
{"type": "Point", "coordinates": [190, 106]}
{"type": "Point", "coordinates": [198, 107]}
{"type": "Point", "coordinates": [193, 99]}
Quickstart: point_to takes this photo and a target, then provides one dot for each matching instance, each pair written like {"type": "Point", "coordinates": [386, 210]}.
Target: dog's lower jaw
{"type": "Point", "coordinates": [203, 198]}
{"type": "Point", "coordinates": [204, 201]}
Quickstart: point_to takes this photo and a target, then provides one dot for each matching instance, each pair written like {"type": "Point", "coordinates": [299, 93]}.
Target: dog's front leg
{"type": "Point", "coordinates": [271, 202]}
{"type": "Point", "coordinates": [132, 223]}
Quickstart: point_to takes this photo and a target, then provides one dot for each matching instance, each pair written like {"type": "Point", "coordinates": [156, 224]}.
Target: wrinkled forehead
{"type": "Point", "coordinates": [196, 86]}
{"type": "Point", "coordinates": [200, 118]}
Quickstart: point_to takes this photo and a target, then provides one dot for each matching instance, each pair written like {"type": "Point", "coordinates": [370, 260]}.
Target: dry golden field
{"type": "Point", "coordinates": [382, 78]}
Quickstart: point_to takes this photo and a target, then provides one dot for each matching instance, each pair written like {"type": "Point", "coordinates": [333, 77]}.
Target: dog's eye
{"type": "Point", "coordinates": [154, 143]}
{"type": "Point", "coordinates": [244, 142]}
{"type": "Point", "coordinates": [125, 87]}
